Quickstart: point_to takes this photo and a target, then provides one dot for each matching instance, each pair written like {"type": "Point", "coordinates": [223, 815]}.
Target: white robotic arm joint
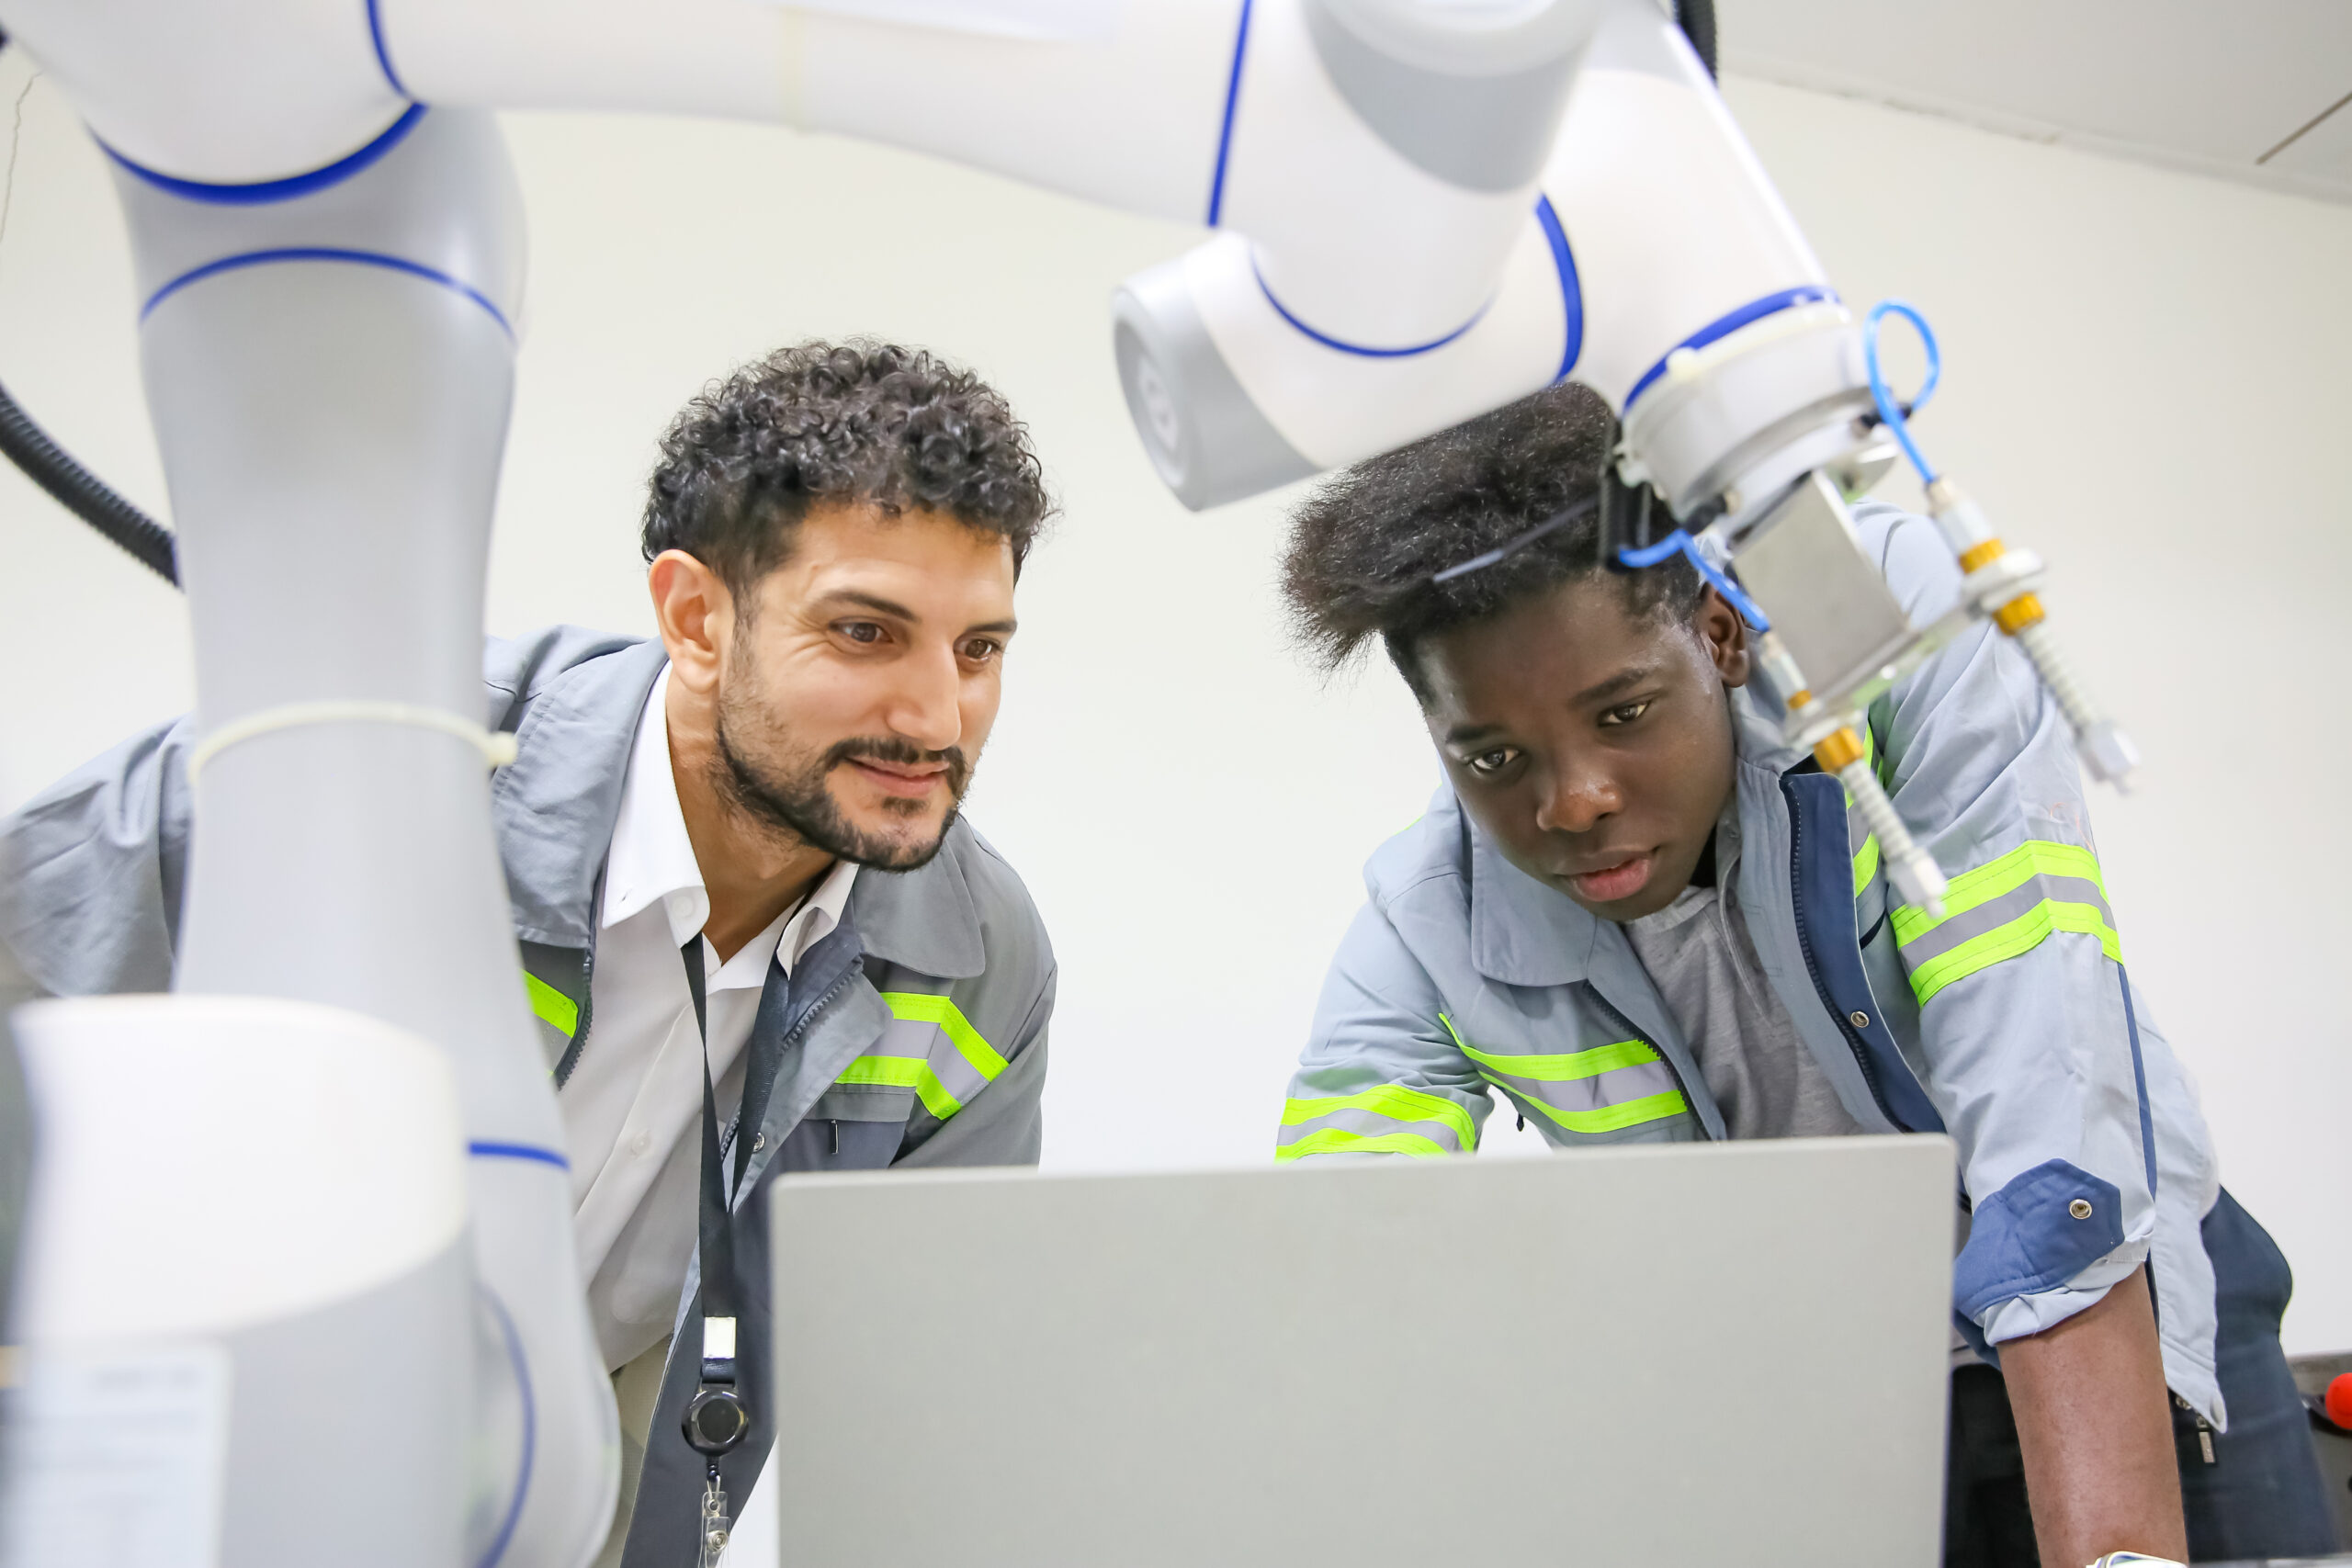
{"type": "Point", "coordinates": [1425, 211]}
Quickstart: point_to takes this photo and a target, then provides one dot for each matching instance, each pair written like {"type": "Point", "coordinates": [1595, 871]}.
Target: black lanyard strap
{"type": "Point", "coordinates": [717, 1233]}
{"type": "Point", "coordinates": [716, 1417]}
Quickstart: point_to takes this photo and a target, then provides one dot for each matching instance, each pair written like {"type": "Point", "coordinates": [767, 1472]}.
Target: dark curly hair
{"type": "Point", "coordinates": [897, 428]}
{"type": "Point", "coordinates": [1366, 546]}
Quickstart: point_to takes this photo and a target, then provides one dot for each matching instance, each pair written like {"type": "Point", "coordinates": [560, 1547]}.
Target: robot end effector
{"type": "Point", "coordinates": [1838, 638]}
{"type": "Point", "coordinates": [1653, 260]}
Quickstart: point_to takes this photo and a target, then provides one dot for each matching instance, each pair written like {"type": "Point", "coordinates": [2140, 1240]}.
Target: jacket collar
{"type": "Point", "coordinates": [1522, 932]}
{"type": "Point", "coordinates": [1525, 933]}
{"type": "Point", "coordinates": [556, 805]}
{"type": "Point", "coordinates": [1756, 732]}
{"type": "Point", "coordinates": [925, 920]}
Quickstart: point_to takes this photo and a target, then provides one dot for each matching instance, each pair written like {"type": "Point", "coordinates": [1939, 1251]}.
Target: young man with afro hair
{"type": "Point", "coordinates": [768, 792]}
{"type": "Point", "coordinates": [1643, 917]}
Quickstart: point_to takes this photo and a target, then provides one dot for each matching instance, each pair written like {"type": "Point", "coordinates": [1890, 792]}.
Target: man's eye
{"type": "Point", "coordinates": [1487, 764]}
{"type": "Point", "coordinates": [862, 631]}
{"type": "Point", "coordinates": [981, 649]}
{"type": "Point", "coordinates": [1625, 713]}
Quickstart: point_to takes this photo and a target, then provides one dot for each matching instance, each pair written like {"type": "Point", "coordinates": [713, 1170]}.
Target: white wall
{"type": "Point", "coordinates": [2139, 384]}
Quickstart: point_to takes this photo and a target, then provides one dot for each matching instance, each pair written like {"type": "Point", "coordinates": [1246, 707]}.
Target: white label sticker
{"type": "Point", "coordinates": [1050, 21]}
{"type": "Point", "coordinates": [116, 1458]}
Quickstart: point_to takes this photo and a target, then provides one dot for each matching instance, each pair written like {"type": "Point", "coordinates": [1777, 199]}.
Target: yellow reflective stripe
{"type": "Point", "coordinates": [1610, 1118]}
{"type": "Point", "coordinates": [1568, 1066]}
{"type": "Point", "coordinates": [2020, 935]}
{"type": "Point", "coordinates": [905, 1072]}
{"type": "Point", "coordinates": [1393, 1100]}
{"type": "Point", "coordinates": [552, 1006]}
{"type": "Point", "coordinates": [2036, 857]}
{"type": "Point", "coordinates": [1338, 1139]}
{"type": "Point", "coordinates": [1560, 1067]}
{"type": "Point", "coordinates": [2004, 908]}
{"type": "Point", "coordinates": [1865, 858]}
{"type": "Point", "coordinates": [922, 1007]}
{"type": "Point", "coordinates": [1866, 865]}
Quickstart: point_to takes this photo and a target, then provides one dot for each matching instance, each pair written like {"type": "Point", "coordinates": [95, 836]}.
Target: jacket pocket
{"type": "Point", "coordinates": [863, 1102]}
{"type": "Point", "coordinates": [851, 1127]}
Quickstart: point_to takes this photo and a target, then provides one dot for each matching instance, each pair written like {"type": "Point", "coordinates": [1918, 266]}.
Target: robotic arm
{"type": "Point", "coordinates": [329, 279]}
{"type": "Point", "coordinates": [1657, 266]}
{"type": "Point", "coordinates": [1420, 212]}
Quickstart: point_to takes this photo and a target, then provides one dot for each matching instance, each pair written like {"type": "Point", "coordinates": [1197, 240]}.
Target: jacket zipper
{"type": "Point", "coordinates": [791, 1038]}
{"type": "Point", "coordinates": [2204, 1429]}
{"type": "Point", "coordinates": [1812, 966]}
{"type": "Point", "coordinates": [1665, 1061]}
{"type": "Point", "coordinates": [571, 1059]}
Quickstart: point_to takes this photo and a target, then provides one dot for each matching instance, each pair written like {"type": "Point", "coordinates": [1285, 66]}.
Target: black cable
{"type": "Point", "coordinates": [1697, 20]}
{"type": "Point", "coordinates": [81, 493]}
{"type": "Point", "coordinates": [1509, 548]}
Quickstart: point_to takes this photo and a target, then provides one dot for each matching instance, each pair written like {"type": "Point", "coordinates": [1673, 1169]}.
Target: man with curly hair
{"type": "Point", "coordinates": [1643, 917]}
{"type": "Point", "coordinates": [741, 882]}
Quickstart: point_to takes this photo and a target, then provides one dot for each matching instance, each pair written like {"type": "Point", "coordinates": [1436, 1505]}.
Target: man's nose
{"type": "Point", "coordinates": [927, 705]}
{"type": "Point", "coordinates": [1578, 798]}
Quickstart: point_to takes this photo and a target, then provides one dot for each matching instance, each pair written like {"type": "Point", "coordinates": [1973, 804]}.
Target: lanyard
{"type": "Point", "coordinates": [718, 1234]}
{"type": "Point", "coordinates": [718, 1417]}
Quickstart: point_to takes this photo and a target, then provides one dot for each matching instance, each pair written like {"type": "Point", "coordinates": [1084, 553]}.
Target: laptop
{"type": "Point", "coordinates": [1656, 1355]}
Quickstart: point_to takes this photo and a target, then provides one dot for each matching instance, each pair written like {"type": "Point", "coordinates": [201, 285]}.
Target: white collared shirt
{"type": "Point", "coordinates": [632, 1108]}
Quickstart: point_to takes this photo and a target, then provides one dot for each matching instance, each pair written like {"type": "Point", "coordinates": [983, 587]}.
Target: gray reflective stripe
{"type": "Point", "coordinates": [1858, 832]}
{"type": "Point", "coordinates": [1995, 913]}
{"type": "Point", "coordinates": [553, 1043]}
{"type": "Point", "coordinates": [1372, 1123]}
{"type": "Point", "coordinates": [863, 1102]}
{"type": "Point", "coordinates": [912, 1039]}
{"type": "Point", "coordinates": [1614, 1086]}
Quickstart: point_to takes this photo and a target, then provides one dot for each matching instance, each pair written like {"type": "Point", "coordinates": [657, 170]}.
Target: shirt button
{"type": "Point", "coordinates": [2080, 1208]}
{"type": "Point", "coordinates": [1859, 1020]}
{"type": "Point", "coordinates": [642, 1142]}
{"type": "Point", "coordinates": [759, 1143]}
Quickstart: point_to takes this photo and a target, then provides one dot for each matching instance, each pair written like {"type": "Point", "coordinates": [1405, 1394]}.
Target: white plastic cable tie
{"type": "Point", "coordinates": [496, 746]}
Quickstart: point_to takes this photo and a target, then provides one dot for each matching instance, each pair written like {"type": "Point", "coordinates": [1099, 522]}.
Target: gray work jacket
{"type": "Point", "coordinates": [2009, 1022]}
{"type": "Point", "coordinates": [915, 1035]}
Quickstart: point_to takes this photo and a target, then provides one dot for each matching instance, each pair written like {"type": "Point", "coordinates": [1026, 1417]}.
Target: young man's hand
{"type": "Point", "coordinates": [2095, 1430]}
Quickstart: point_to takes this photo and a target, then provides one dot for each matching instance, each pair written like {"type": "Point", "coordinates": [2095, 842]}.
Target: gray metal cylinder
{"type": "Point", "coordinates": [314, 1429]}
{"type": "Point", "coordinates": [1460, 100]}
{"type": "Point", "coordinates": [332, 435]}
{"type": "Point", "coordinates": [244, 1322]}
{"type": "Point", "coordinates": [330, 375]}
{"type": "Point", "coordinates": [1205, 435]}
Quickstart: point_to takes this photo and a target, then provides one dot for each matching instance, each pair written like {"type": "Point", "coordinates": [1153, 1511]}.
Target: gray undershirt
{"type": "Point", "coordinates": [1766, 1084]}
{"type": "Point", "coordinates": [1698, 956]}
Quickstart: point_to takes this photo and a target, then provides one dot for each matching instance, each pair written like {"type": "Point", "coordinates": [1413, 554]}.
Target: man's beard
{"type": "Point", "coordinates": [791, 792]}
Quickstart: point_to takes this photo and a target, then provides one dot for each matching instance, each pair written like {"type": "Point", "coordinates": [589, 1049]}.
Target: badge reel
{"type": "Point", "coordinates": [716, 1417]}
{"type": "Point", "coordinates": [716, 1421]}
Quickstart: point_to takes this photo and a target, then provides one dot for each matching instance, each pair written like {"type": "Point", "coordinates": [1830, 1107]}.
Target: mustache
{"type": "Point", "coordinates": [901, 753]}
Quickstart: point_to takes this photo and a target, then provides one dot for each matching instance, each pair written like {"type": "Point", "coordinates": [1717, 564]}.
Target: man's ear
{"type": "Point", "coordinates": [696, 617]}
{"type": "Point", "coordinates": [1725, 635]}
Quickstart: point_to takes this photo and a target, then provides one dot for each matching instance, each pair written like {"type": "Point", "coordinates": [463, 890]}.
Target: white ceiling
{"type": "Point", "coordinates": [2252, 90]}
